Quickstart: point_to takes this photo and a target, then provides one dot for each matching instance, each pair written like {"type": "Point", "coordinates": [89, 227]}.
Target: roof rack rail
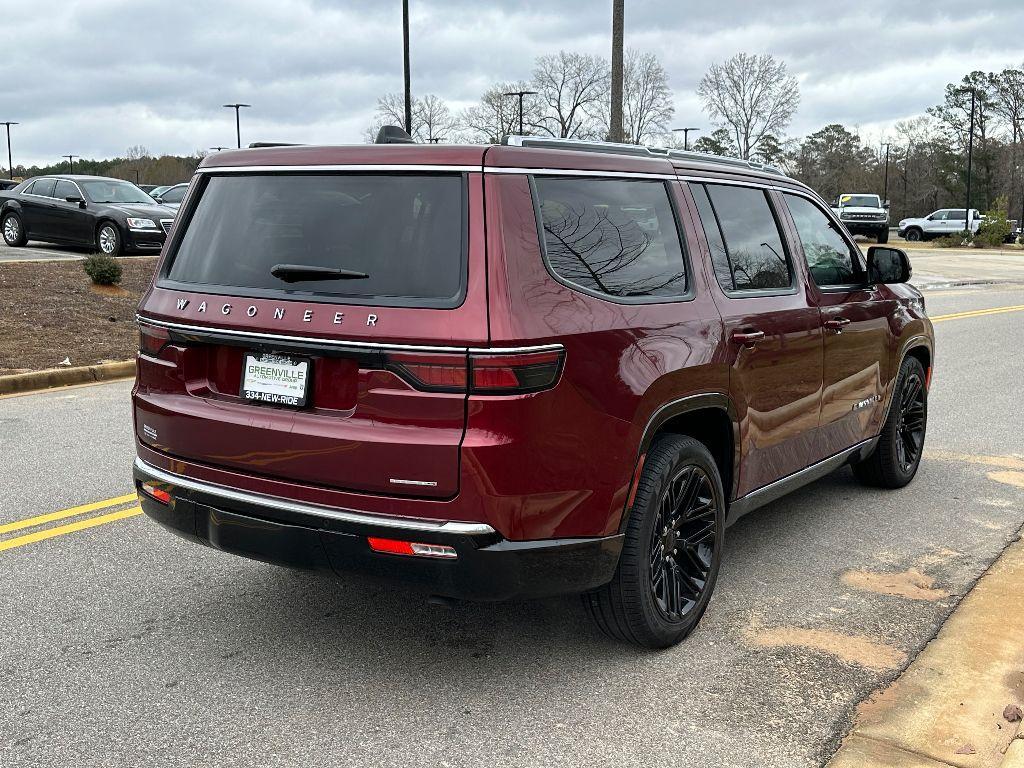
{"type": "Point", "coordinates": [636, 150]}
{"type": "Point", "coordinates": [265, 144]}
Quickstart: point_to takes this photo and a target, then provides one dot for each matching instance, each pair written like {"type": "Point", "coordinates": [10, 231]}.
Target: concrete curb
{"type": "Point", "coordinates": [62, 377]}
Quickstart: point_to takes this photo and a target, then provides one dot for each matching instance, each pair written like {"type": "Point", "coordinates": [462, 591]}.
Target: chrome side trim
{"type": "Point", "coordinates": [578, 172]}
{"type": "Point", "coordinates": [315, 510]}
{"type": "Point", "coordinates": [308, 168]}
{"type": "Point", "coordinates": [776, 490]}
{"type": "Point", "coordinates": [344, 343]}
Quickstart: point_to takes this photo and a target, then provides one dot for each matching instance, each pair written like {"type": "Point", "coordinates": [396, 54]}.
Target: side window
{"type": "Point", "coordinates": [757, 257]}
{"type": "Point", "coordinates": [829, 257]}
{"type": "Point", "coordinates": [958, 214]}
{"type": "Point", "coordinates": [719, 256]}
{"type": "Point", "coordinates": [612, 236]}
{"type": "Point", "coordinates": [939, 216]}
{"type": "Point", "coordinates": [43, 188]}
{"type": "Point", "coordinates": [174, 195]}
{"type": "Point", "coordinates": [65, 189]}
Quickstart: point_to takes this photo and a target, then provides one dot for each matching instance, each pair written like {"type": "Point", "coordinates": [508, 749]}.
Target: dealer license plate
{"type": "Point", "coordinates": [275, 380]}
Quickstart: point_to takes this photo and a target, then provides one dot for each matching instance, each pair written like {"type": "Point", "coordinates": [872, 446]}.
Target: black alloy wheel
{"type": "Point", "coordinates": [682, 543]}
{"type": "Point", "coordinates": [910, 425]}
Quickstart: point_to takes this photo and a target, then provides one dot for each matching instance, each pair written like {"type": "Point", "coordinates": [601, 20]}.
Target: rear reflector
{"type": "Point", "coordinates": [152, 339]}
{"type": "Point", "coordinates": [156, 493]}
{"type": "Point", "coordinates": [479, 373]}
{"type": "Point", "coordinates": [413, 548]}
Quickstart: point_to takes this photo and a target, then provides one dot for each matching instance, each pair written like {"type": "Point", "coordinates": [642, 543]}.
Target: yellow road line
{"type": "Point", "coordinates": [78, 525]}
{"type": "Point", "coordinates": [49, 517]}
{"type": "Point", "coordinates": [978, 313]}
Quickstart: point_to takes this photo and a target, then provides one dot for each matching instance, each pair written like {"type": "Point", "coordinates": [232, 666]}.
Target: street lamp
{"type": "Point", "coordinates": [218, 149]}
{"type": "Point", "coordinates": [238, 125]}
{"type": "Point", "coordinates": [71, 161]}
{"type": "Point", "coordinates": [885, 192]}
{"type": "Point", "coordinates": [10, 164]}
{"type": "Point", "coordinates": [520, 94]}
{"type": "Point", "coordinates": [686, 135]}
{"type": "Point", "coordinates": [405, 67]}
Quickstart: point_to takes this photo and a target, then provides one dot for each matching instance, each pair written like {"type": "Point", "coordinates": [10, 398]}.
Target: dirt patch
{"type": "Point", "coordinates": [50, 311]}
{"type": "Point", "coordinates": [1016, 479]}
{"type": "Point", "coordinates": [911, 584]}
{"type": "Point", "coordinates": [854, 649]}
{"type": "Point", "coordinates": [109, 290]}
{"type": "Point", "coordinates": [1005, 462]}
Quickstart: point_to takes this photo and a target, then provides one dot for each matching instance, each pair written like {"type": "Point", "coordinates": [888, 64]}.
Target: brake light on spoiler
{"type": "Point", "coordinates": [483, 373]}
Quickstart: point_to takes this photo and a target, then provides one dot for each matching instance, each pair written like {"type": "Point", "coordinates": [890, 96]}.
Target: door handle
{"type": "Point", "coordinates": [747, 338]}
{"type": "Point", "coordinates": [836, 323]}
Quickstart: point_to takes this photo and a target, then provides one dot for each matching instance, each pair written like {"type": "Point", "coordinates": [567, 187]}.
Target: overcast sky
{"type": "Point", "coordinates": [97, 76]}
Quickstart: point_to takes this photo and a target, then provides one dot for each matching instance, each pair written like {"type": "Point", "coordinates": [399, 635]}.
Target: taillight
{"type": "Point", "coordinates": [480, 372]}
{"type": "Point", "coordinates": [152, 339]}
{"type": "Point", "coordinates": [411, 548]}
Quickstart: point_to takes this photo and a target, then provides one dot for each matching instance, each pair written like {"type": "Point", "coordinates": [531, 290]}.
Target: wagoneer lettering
{"type": "Point", "coordinates": [579, 364]}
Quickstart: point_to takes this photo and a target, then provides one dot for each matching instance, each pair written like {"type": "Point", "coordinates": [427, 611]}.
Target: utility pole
{"type": "Point", "coordinates": [618, 37]}
{"type": "Point", "coordinates": [686, 135]}
{"type": "Point", "coordinates": [970, 163]}
{"type": "Point", "coordinates": [520, 94]}
{"type": "Point", "coordinates": [10, 163]}
{"type": "Point", "coordinates": [71, 161]}
{"type": "Point", "coordinates": [238, 124]}
{"type": "Point", "coordinates": [137, 180]}
{"type": "Point", "coordinates": [218, 149]}
{"type": "Point", "coordinates": [885, 192]}
{"type": "Point", "coordinates": [408, 77]}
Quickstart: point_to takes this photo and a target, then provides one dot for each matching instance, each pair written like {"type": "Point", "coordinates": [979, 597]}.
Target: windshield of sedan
{"type": "Point", "coordinates": [859, 201]}
{"type": "Point", "coordinates": [110, 191]}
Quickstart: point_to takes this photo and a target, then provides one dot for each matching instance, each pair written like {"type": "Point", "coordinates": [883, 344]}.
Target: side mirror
{"type": "Point", "coordinates": [886, 205]}
{"type": "Point", "coordinates": [888, 265]}
{"type": "Point", "coordinates": [75, 199]}
{"type": "Point", "coordinates": [159, 199]}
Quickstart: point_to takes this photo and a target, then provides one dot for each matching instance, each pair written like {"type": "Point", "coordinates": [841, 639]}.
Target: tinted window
{"type": "Point", "coordinates": [405, 232]}
{"type": "Point", "coordinates": [829, 257]}
{"type": "Point", "coordinates": [65, 189]}
{"type": "Point", "coordinates": [719, 255]}
{"type": "Point", "coordinates": [173, 195]}
{"type": "Point", "coordinates": [43, 188]}
{"type": "Point", "coordinates": [752, 239]}
{"type": "Point", "coordinates": [114, 191]}
{"type": "Point", "coordinates": [612, 236]}
{"type": "Point", "coordinates": [958, 214]}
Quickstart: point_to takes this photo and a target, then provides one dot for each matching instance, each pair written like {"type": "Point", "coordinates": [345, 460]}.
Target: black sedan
{"type": "Point", "coordinates": [109, 215]}
{"type": "Point", "coordinates": [7, 184]}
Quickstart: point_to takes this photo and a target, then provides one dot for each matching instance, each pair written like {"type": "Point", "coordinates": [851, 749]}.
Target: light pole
{"type": "Point", "coordinates": [238, 125]}
{"type": "Point", "coordinates": [520, 94]}
{"type": "Point", "coordinates": [71, 161]}
{"type": "Point", "coordinates": [218, 149]}
{"type": "Point", "coordinates": [10, 163]}
{"type": "Point", "coordinates": [137, 180]}
{"type": "Point", "coordinates": [618, 37]}
{"type": "Point", "coordinates": [405, 67]}
{"type": "Point", "coordinates": [970, 163]}
{"type": "Point", "coordinates": [885, 189]}
{"type": "Point", "coordinates": [686, 136]}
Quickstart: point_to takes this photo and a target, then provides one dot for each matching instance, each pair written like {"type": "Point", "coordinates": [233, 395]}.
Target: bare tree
{"type": "Point", "coordinates": [754, 95]}
{"type": "Point", "coordinates": [432, 120]}
{"type": "Point", "coordinates": [647, 100]}
{"type": "Point", "coordinates": [574, 89]}
{"type": "Point", "coordinates": [497, 114]}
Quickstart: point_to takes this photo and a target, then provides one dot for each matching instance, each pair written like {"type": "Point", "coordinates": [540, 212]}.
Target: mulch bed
{"type": "Point", "coordinates": [50, 311]}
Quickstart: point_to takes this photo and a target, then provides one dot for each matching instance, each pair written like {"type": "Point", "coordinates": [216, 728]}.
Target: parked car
{"type": "Point", "coordinates": [155, 191]}
{"type": "Point", "coordinates": [945, 221]}
{"type": "Point", "coordinates": [7, 184]}
{"type": "Point", "coordinates": [863, 214]}
{"type": "Point", "coordinates": [147, 188]}
{"type": "Point", "coordinates": [172, 196]}
{"type": "Point", "coordinates": [110, 215]}
{"type": "Point", "coordinates": [523, 370]}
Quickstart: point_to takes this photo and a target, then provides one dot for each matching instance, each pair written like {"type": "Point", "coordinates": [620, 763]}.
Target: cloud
{"type": "Point", "coordinates": [94, 78]}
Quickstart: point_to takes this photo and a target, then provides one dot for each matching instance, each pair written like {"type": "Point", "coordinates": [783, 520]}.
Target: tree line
{"type": "Point", "coordinates": [138, 165]}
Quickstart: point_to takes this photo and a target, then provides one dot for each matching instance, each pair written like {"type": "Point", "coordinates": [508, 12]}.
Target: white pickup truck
{"type": "Point", "coordinates": [863, 214]}
{"type": "Point", "coordinates": [945, 221]}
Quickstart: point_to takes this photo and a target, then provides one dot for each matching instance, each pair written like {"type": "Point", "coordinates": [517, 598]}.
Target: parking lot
{"type": "Point", "coordinates": [126, 646]}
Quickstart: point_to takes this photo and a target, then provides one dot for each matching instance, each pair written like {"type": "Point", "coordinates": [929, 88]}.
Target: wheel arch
{"type": "Point", "coordinates": [709, 418]}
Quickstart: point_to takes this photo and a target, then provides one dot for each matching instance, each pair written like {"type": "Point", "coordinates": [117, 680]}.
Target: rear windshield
{"type": "Point", "coordinates": [405, 233]}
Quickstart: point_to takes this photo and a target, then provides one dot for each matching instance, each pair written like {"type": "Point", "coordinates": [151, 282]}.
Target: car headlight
{"type": "Point", "coordinates": [141, 223]}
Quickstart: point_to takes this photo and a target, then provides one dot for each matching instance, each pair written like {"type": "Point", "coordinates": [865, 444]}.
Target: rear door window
{"type": "Point", "coordinates": [612, 237]}
{"type": "Point", "coordinates": [43, 188]}
{"type": "Point", "coordinates": [757, 258]}
{"type": "Point", "coordinates": [399, 239]}
{"type": "Point", "coordinates": [65, 189]}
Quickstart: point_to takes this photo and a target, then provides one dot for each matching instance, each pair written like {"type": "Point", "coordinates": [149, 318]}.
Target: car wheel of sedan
{"type": "Point", "coordinates": [898, 455]}
{"type": "Point", "coordinates": [14, 232]}
{"type": "Point", "coordinates": [672, 549]}
{"type": "Point", "coordinates": [913, 236]}
{"type": "Point", "coordinates": [108, 239]}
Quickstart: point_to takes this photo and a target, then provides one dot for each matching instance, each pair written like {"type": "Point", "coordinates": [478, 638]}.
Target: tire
{"type": "Point", "coordinates": [639, 605]}
{"type": "Point", "coordinates": [897, 456]}
{"type": "Point", "coordinates": [13, 230]}
{"type": "Point", "coordinates": [883, 237]}
{"type": "Point", "coordinates": [108, 239]}
{"type": "Point", "coordinates": [913, 235]}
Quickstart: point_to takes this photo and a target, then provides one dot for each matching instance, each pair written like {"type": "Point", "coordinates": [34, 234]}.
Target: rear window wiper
{"type": "Point", "coordinates": [296, 273]}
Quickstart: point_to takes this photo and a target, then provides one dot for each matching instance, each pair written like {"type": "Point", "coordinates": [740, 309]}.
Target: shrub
{"type": "Point", "coordinates": [103, 270]}
{"type": "Point", "coordinates": [953, 241]}
{"type": "Point", "coordinates": [995, 228]}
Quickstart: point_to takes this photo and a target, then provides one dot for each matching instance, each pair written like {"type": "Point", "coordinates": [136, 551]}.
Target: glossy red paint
{"type": "Point", "coordinates": [558, 463]}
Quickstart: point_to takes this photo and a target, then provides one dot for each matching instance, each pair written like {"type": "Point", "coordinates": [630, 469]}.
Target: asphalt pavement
{"type": "Point", "coordinates": [126, 646]}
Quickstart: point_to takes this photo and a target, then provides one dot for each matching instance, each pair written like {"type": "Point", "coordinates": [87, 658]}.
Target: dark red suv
{"type": "Point", "coordinates": [519, 370]}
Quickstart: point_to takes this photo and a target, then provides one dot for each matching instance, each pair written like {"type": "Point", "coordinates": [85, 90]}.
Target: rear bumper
{"type": "Point", "coordinates": [279, 531]}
